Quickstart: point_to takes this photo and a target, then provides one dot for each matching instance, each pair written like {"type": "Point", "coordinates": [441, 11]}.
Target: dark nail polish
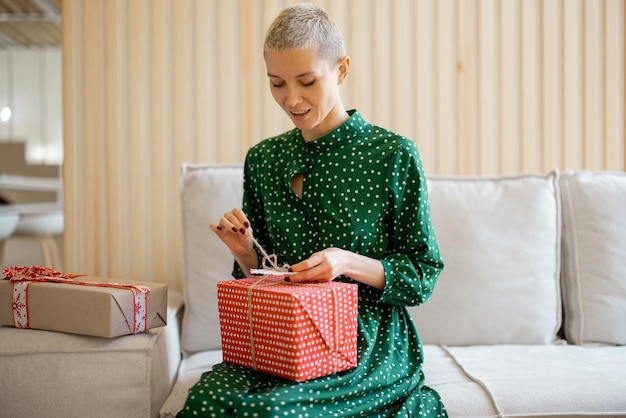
{"type": "Point", "coordinates": [290, 270]}
{"type": "Point", "coordinates": [243, 231]}
{"type": "Point", "coordinates": [235, 229]}
{"type": "Point", "coordinates": [287, 279]}
{"type": "Point", "coordinates": [220, 227]}
{"type": "Point", "coordinates": [246, 224]}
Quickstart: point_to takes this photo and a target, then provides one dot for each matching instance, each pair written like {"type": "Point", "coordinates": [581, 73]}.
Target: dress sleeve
{"type": "Point", "coordinates": [413, 262]}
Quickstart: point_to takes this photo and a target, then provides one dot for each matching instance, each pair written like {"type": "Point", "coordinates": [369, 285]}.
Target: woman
{"type": "Point", "coordinates": [337, 199]}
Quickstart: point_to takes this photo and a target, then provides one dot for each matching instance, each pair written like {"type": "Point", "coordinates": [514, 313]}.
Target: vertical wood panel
{"type": "Point", "coordinates": [530, 95]}
{"type": "Point", "coordinates": [552, 85]}
{"type": "Point", "coordinates": [183, 134]}
{"type": "Point", "coordinates": [614, 88]}
{"type": "Point", "coordinates": [359, 51]}
{"type": "Point", "coordinates": [402, 39]}
{"type": "Point", "coordinates": [139, 73]}
{"type": "Point", "coordinates": [593, 48]}
{"type": "Point", "coordinates": [446, 81]}
{"type": "Point", "coordinates": [424, 88]}
{"type": "Point", "coordinates": [208, 70]}
{"type": "Point", "coordinates": [381, 67]}
{"type": "Point", "coordinates": [468, 82]}
{"type": "Point", "coordinates": [72, 82]}
{"type": "Point", "coordinates": [482, 86]}
{"type": "Point", "coordinates": [510, 92]}
{"type": "Point", "coordinates": [488, 89]}
{"type": "Point", "coordinates": [202, 24]}
{"type": "Point", "coordinates": [251, 46]}
{"type": "Point", "coordinates": [151, 95]}
{"type": "Point", "coordinates": [115, 128]}
{"type": "Point", "coordinates": [228, 86]}
{"type": "Point", "coordinates": [90, 200]}
{"type": "Point", "coordinates": [573, 84]}
{"type": "Point", "coordinates": [166, 85]}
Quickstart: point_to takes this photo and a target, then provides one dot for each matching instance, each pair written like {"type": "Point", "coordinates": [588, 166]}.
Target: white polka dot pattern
{"type": "Point", "coordinates": [364, 191]}
{"type": "Point", "coordinates": [295, 331]}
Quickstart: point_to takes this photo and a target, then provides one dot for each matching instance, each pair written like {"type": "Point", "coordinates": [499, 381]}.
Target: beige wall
{"type": "Point", "coordinates": [483, 87]}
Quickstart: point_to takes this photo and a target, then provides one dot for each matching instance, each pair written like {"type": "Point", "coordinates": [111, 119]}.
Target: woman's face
{"type": "Point", "coordinates": [306, 87]}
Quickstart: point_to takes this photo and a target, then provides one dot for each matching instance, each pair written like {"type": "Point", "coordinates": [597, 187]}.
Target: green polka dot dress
{"type": "Point", "coordinates": [364, 190]}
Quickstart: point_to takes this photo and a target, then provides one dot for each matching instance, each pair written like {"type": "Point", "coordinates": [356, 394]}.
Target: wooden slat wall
{"type": "Point", "coordinates": [484, 87]}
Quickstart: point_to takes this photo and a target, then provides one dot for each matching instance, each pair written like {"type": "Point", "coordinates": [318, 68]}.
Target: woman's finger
{"type": "Point", "coordinates": [234, 221]}
{"type": "Point", "coordinates": [241, 217]}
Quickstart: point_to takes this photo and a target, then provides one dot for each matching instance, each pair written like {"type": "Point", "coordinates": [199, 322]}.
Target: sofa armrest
{"type": "Point", "coordinates": [132, 375]}
{"type": "Point", "coordinates": [175, 309]}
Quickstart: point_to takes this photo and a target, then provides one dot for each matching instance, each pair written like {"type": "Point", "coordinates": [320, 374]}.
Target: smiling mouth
{"type": "Point", "coordinates": [300, 112]}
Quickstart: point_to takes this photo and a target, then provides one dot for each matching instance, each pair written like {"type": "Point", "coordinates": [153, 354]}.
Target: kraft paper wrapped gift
{"type": "Point", "coordinates": [295, 331]}
{"type": "Point", "coordinates": [41, 298]}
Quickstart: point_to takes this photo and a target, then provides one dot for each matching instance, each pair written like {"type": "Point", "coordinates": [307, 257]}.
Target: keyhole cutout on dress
{"type": "Point", "coordinates": [296, 184]}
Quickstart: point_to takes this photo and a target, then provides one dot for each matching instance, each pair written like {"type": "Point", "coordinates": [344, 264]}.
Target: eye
{"type": "Point", "coordinates": [276, 85]}
{"type": "Point", "coordinates": [308, 83]}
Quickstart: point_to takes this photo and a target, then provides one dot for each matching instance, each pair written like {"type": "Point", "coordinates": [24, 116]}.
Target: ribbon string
{"type": "Point", "coordinates": [269, 261]}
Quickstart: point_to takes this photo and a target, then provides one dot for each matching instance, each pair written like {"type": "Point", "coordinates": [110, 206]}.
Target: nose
{"type": "Point", "coordinates": [293, 97]}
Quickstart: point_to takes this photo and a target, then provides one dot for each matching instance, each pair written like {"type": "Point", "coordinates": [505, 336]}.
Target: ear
{"type": "Point", "coordinates": [343, 69]}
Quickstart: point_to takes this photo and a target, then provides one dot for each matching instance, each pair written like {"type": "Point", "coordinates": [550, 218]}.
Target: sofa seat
{"type": "Point", "coordinates": [191, 368]}
{"type": "Point", "coordinates": [445, 374]}
{"type": "Point", "coordinates": [53, 374]}
{"type": "Point", "coordinates": [529, 380]}
{"type": "Point", "coordinates": [494, 381]}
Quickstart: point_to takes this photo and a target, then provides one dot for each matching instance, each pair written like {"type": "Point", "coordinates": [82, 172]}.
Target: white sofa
{"type": "Point", "coordinates": [528, 317]}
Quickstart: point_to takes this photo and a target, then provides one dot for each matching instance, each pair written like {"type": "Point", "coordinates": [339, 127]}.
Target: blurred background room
{"type": "Point", "coordinates": [131, 89]}
{"type": "Point", "coordinates": [31, 133]}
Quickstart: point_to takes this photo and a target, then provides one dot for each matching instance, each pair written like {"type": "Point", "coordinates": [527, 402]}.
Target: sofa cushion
{"type": "Point", "coordinates": [208, 191]}
{"type": "Point", "coordinates": [499, 238]}
{"type": "Point", "coordinates": [461, 395]}
{"type": "Point", "coordinates": [538, 380]}
{"type": "Point", "coordinates": [500, 242]}
{"type": "Point", "coordinates": [594, 256]}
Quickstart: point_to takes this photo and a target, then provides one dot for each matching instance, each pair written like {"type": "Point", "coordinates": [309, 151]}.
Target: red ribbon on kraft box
{"type": "Point", "coordinates": [23, 277]}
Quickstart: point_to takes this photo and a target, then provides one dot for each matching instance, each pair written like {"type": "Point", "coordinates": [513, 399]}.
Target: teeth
{"type": "Point", "coordinates": [301, 112]}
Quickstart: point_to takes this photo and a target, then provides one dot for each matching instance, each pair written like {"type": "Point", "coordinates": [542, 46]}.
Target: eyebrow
{"type": "Point", "coordinates": [308, 73]}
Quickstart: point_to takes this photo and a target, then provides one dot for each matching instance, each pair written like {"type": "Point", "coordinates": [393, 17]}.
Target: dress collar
{"type": "Point", "coordinates": [348, 132]}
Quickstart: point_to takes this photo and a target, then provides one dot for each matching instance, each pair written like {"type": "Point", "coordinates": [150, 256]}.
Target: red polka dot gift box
{"type": "Point", "coordinates": [292, 330]}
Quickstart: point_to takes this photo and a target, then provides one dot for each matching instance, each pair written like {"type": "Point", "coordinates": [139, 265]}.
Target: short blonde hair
{"type": "Point", "coordinates": [306, 25]}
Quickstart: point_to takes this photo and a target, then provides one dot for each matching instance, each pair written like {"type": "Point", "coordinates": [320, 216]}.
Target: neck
{"type": "Point", "coordinates": [333, 121]}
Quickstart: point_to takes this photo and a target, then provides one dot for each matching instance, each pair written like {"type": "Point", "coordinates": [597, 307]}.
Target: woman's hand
{"type": "Point", "coordinates": [326, 265]}
{"type": "Point", "coordinates": [235, 232]}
